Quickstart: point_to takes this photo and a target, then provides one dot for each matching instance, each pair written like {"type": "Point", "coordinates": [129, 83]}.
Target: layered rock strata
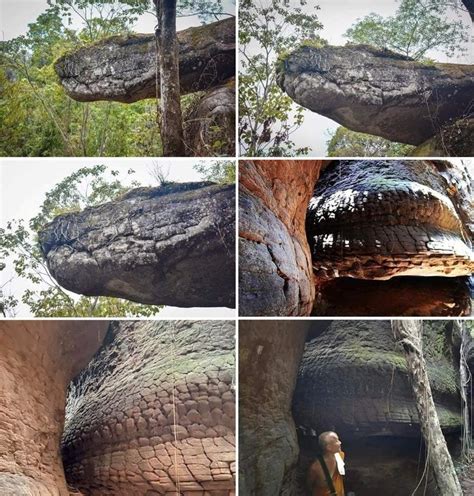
{"type": "Point", "coordinates": [379, 219]}
{"type": "Point", "coordinates": [154, 412]}
{"type": "Point", "coordinates": [377, 91]}
{"type": "Point", "coordinates": [275, 262]}
{"type": "Point", "coordinates": [171, 245]}
{"type": "Point", "coordinates": [37, 361]}
{"type": "Point", "coordinates": [123, 68]}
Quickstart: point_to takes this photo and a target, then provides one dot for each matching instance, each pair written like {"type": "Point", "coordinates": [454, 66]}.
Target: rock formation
{"type": "Point", "coordinates": [37, 361]}
{"type": "Point", "coordinates": [154, 412]}
{"type": "Point", "coordinates": [171, 245]}
{"type": "Point", "coordinates": [453, 140]}
{"type": "Point", "coordinates": [209, 126]}
{"type": "Point", "coordinates": [123, 68]}
{"type": "Point", "coordinates": [379, 219]}
{"type": "Point", "coordinates": [275, 263]}
{"type": "Point", "coordinates": [377, 91]}
{"type": "Point", "coordinates": [269, 357]}
{"type": "Point", "coordinates": [412, 296]}
{"type": "Point", "coordinates": [352, 378]}
{"type": "Point", "coordinates": [368, 220]}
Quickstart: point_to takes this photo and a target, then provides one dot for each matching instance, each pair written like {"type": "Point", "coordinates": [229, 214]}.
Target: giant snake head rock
{"type": "Point", "coordinates": [380, 219]}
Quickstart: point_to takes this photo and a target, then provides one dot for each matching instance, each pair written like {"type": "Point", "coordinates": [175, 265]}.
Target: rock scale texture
{"type": "Point", "coordinates": [378, 92]}
{"type": "Point", "coordinates": [275, 263]}
{"type": "Point", "coordinates": [37, 361]}
{"type": "Point", "coordinates": [379, 219]}
{"type": "Point", "coordinates": [123, 68]}
{"type": "Point", "coordinates": [172, 245]}
{"type": "Point", "coordinates": [154, 412]}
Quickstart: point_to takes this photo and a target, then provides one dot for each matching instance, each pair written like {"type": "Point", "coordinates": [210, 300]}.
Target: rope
{"type": "Point", "coordinates": [173, 361]}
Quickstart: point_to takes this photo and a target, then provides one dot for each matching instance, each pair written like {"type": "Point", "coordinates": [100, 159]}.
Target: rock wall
{"type": "Point", "coordinates": [379, 219]}
{"type": "Point", "coordinates": [171, 245]}
{"type": "Point", "coordinates": [37, 361]}
{"type": "Point", "coordinates": [275, 263]}
{"type": "Point", "coordinates": [377, 91]}
{"type": "Point", "coordinates": [154, 412]}
{"type": "Point", "coordinates": [269, 357]}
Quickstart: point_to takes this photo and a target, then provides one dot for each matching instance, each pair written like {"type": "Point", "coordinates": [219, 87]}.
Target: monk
{"type": "Point", "coordinates": [333, 456]}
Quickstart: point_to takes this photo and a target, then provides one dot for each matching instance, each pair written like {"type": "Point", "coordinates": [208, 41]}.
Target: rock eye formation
{"type": "Point", "coordinates": [154, 412]}
{"type": "Point", "coordinates": [376, 91]}
{"type": "Point", "coordinates": [376, 220]}
{"type": "Point", "coordinates": [172, 245]}
{"type": "Point", "coordinates": [123, 68]}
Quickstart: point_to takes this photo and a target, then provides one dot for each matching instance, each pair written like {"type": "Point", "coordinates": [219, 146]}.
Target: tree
{"type": "Point", "coordinates": [19, 247]}
{"type": "Point", "coordinates": [171, 120]}
{"type": "Point", "coordinates": [347, 143]}
{"type": "Point", "coordinates": [416, 28]}
{"type": "Point", "coordinates": [218, 171]}
{"type": "Point", "coordinates": [268, 117]}
{"type": "Point", "coordinates": [408, 333]}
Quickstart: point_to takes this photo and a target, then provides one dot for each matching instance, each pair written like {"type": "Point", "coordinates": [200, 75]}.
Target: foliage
{"type": "Point", "coordinates": [217, 171]}
{"type": "Point", "coordinates": [416, 28]}
{"type": "Point", "coordinates": [19, 246]}
{"type": "Point", "coordinates": [39, 119]}
{"type": "Point", "coordinates": [268, 117]}
{"type": "Point", "coordinates": [347, 143]}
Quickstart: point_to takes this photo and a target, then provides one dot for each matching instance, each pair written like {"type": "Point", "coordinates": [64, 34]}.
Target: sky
{"type": "Point", "coordinates": [15, 15]}
{"type": "Point", "coordinates": [24, 183]}
{"type": "Point", "coordinates": [337, 16]}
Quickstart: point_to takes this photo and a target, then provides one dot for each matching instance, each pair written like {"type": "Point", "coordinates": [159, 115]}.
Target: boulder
{"type": "Point", "coordinates": [275, 262]}
{"type": "Point", "coordinates": [377, 91]}
{"type": "Point", "coordinates": [123, 68]}
{"type": "Point", "coordinates": [170, 245]}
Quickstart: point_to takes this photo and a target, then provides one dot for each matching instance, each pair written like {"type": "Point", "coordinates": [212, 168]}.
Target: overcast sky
{"type": "Point", "coordinates": [337, 16]}
{"type": "Point", "coordinates": [24, 183]}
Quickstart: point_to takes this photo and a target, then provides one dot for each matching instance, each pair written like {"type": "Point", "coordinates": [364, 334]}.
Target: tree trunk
{"type": "Point", "coordinates": [409, 334]}
{"type": "Point", "coordinates": [171, 126]}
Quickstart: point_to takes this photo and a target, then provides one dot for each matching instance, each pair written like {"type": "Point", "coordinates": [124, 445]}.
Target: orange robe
{"type": "Point", "coordinates": [337, 480]}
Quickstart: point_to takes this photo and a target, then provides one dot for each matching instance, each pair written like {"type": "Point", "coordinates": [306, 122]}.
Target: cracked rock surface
{"type": "Point", "coordinates": [378, 92]}
{"type": "Point", "coordinates": [379, 219]}
{"type": "Point", "coordinates": [37, 361]}
{"type": "Point", "coordinates": [353, 379]}
{"type": "Point", "coordinates": [171, 245]}
{"type": "Point", "coordinates": [123, 68]}
{"type": "Point", "coordinates": [275, 262]}
{"type": "Point", "coordinates": [154, 412]}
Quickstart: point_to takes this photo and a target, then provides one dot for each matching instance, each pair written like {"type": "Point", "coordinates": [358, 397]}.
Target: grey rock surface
{"type": "Point", "coordinates": [154, 412]}
{"type": "Point", "coordinates": [171, 245]}
{"type": "Point", "coordinates": [123, 68]}
{"type": "Point", "coordinates": [378, 92]}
